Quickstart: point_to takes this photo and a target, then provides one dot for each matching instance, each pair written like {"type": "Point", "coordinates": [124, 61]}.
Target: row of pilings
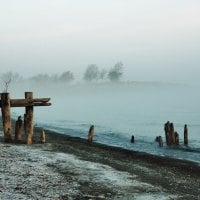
{"type": "Point", "coordinates": [171, 136]}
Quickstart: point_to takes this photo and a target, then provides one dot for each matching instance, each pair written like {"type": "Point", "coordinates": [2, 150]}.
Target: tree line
{"type": "Point", "coordinates": [92, 73]}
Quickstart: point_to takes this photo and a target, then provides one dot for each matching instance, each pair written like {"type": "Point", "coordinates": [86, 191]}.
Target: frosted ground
{"type": "Point", "coordinates": [28, 172]}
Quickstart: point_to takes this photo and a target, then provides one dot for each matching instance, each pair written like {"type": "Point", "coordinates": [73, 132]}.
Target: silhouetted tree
{"type": "Point", "coordinates": [116, 72]}
{"type": "Point", "coordinates": [91, 73]}
{"type": "Point", "coordinates": [102, 74]}
{"type": "Point", "coordinates": [41, 78]}
{"type": "Point", "coordinates": [9, 77]}
{"type": "Point", "coordinates": [66, 76]}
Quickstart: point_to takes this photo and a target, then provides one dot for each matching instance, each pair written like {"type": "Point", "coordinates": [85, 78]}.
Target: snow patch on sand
{"type": "Point", "coordinates": [27, 172]}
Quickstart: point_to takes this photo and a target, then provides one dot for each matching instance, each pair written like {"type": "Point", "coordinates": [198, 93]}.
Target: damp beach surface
{"type": "Point", "coordinates": [69, 168]}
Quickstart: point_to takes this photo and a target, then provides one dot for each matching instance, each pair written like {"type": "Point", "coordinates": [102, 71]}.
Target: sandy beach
{"type": "Point", "coordinates": [69, 168]}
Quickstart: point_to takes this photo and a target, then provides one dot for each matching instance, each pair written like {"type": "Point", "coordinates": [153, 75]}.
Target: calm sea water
{"type": "Point", "coordinates": [119, 111]}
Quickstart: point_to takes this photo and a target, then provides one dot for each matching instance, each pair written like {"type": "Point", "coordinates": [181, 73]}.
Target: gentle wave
{"type": "Point", "coordinates": [142, 143]}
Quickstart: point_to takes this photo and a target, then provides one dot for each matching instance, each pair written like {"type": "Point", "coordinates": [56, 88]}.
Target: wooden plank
{"type": "Point", "coordinates": [42, 104]}
{"type": "Point", "coordinates": [29, 102]}
{"type": "Point", "coordinates": [43, 100]}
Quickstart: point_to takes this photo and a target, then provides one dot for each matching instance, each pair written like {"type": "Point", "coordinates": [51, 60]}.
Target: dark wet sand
{"type": "Point", "coordinates": [178, 177]}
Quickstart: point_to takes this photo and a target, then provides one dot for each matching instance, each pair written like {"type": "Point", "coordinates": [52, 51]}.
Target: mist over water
{"type": "Point", "coordinates": [155, 40]}
{"type": "Point", "coordinates": [121, 110]}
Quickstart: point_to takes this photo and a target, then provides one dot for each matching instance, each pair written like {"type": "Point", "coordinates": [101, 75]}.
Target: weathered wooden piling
{"type": "Point", "coordinates": [171, 134]}
{"type": "Point", "coordinates": [6, 116]}
{"type": "Point", "coordinates": [132, 139]}
{"type": "Point", "coordinates": [176, 138]}
{"type": "Point", "coordinates": [185, 135]}
{"type": "Point", "coordinates": [160, 141]}
{"type": "Point", "coordinates": [42, 137]}
{"type": "Point", "coordinates": [25, 124]}
{"type": "Point", "coordinates": [29, 118]}
{"type": "Point", "coordinates": [173, 137]}
{"type": "Point", "coordinates": [167, 129]}
{"type": "Point", "coordinates": [18, 129]}
{"type": "Point", "coordinates": [91, 134]}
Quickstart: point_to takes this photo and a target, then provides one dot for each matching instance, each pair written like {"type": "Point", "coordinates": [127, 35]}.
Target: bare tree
{"type": "Point", "coordinates": [16, 77]}
{"type": "Point", "coordinates": [116, 72]}
{"type": "Point", "coordinates": [6, 79]}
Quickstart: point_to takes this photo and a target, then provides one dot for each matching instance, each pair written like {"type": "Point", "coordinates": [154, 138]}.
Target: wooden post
{"type": "Point", "coordinates": [176, 138]}
{"type": "Point", "coordinates": [185, 135]}
{"type": "Point", "coordinates": [18, 129]}
{"type": "Point", "coordinates": [160, 141]}
{"type": "Point", "coordinates": [25, 124]}
{"type": "Point", "coordinates": [91, 134]}
{"type": "Point", "coordinates": [167, 133]}
{"type": "Point", "coordinates": [132, 139]}
{"type": "Point", "coordinates": [42, 137]}
{"type": "Point", "coordinates": [171, 133]}
{"type": "Point", "coordinates": [29, 119]}
{"type": "Point", "coordinates": [6, 116]}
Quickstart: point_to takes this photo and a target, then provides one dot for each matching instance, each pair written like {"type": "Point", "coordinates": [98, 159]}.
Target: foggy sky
{"type": "Point", "coordinates": [156, 40]}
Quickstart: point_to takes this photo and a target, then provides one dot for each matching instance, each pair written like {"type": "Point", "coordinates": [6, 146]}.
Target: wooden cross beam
{"type": "Point", "coordinates": [28, 103]}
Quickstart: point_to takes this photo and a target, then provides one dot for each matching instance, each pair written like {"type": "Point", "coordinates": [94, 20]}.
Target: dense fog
{"type": "Point", "coordinates": [127, 107]}
{"type": "Point", "coordinates": [154, 39]}
{"type": "Point", "coordinates": [125, 66]}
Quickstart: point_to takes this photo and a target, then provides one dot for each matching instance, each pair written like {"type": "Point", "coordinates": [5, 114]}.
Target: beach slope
{"type": "Point", "coordinates": [69, 168]}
